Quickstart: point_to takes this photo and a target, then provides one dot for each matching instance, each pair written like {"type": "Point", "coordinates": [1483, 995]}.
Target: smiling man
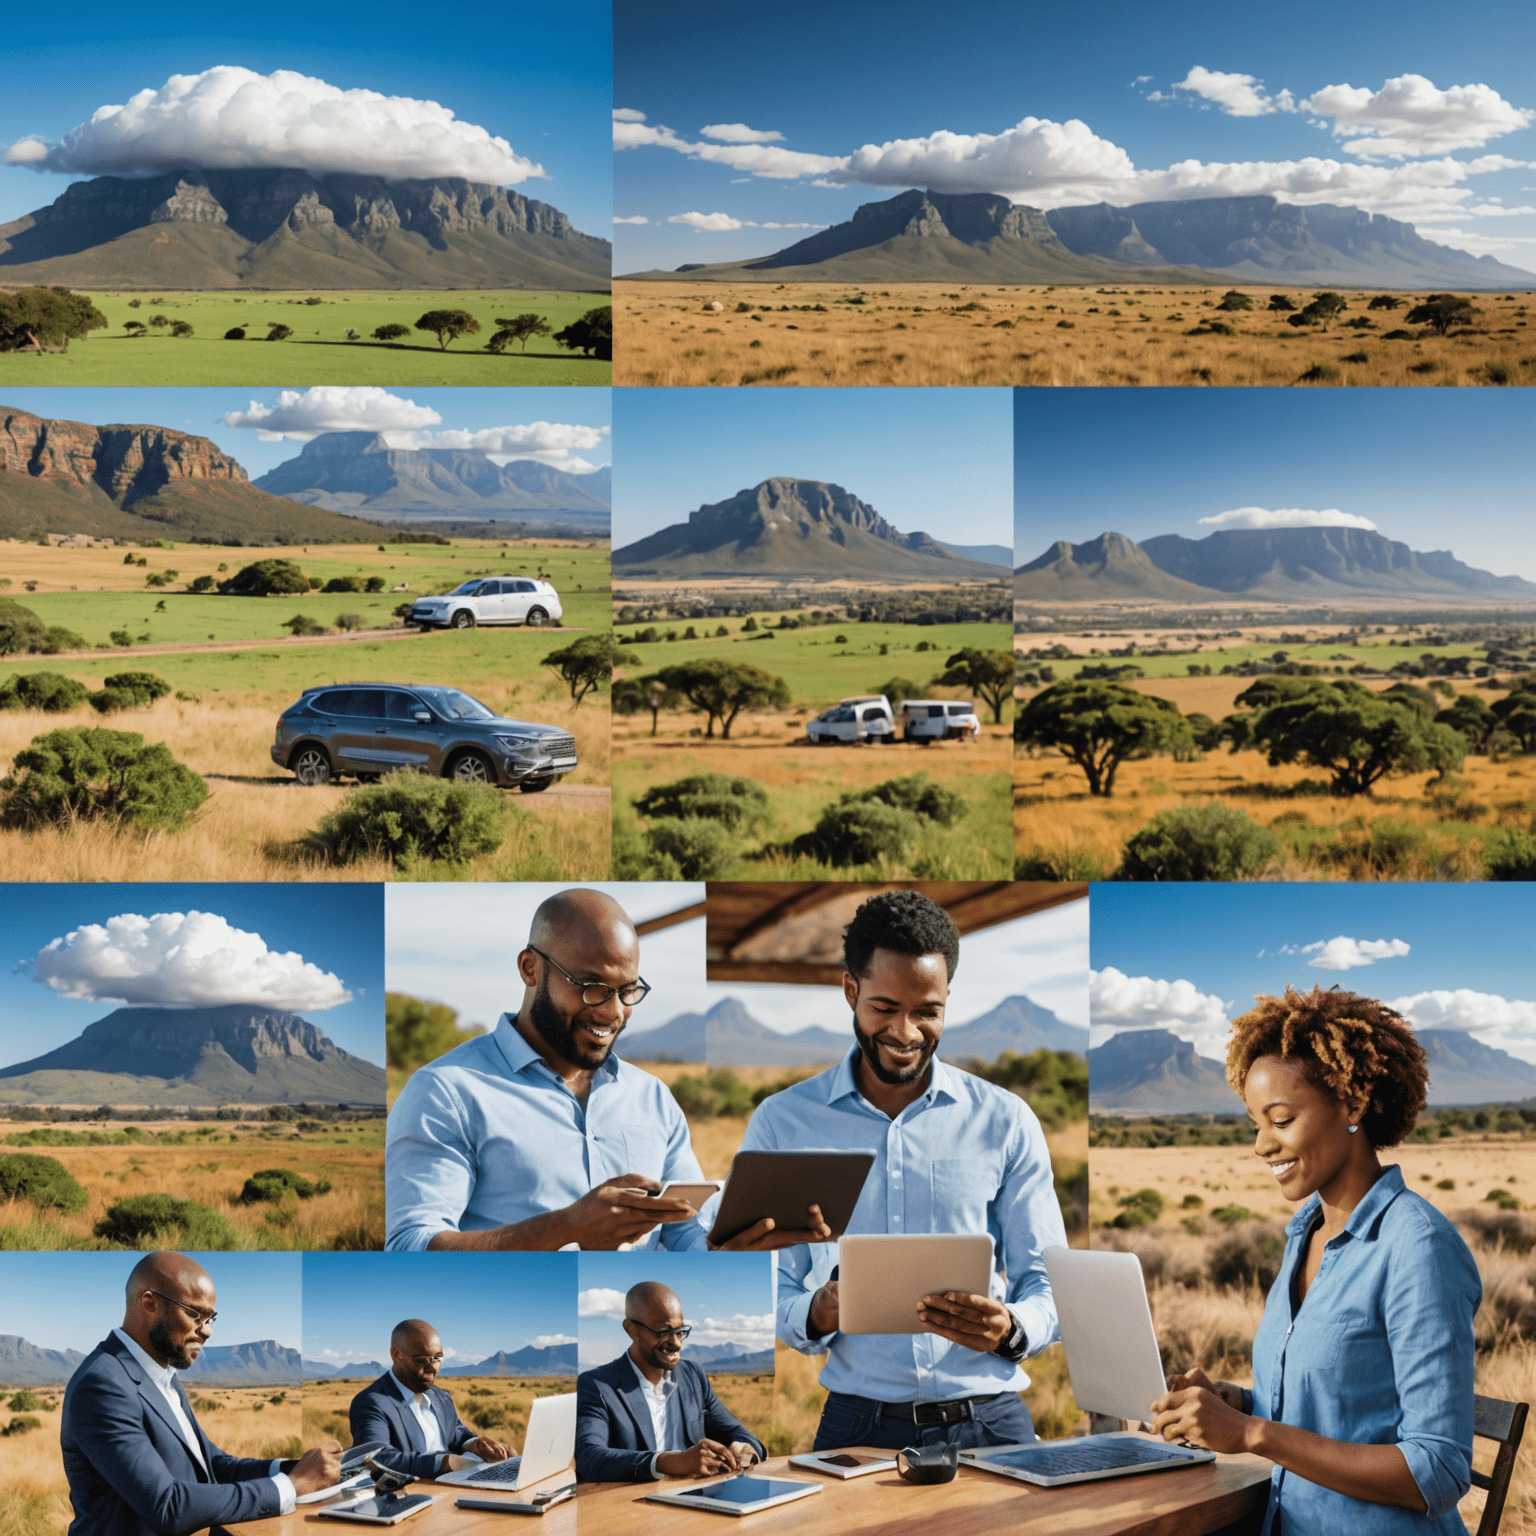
{"type": "Point", "coordinates": [137, 1461]}
{"type": "Point", "coordinates": [650, 1413]}
{"type": "Point", "coordinates": [953, 1153]}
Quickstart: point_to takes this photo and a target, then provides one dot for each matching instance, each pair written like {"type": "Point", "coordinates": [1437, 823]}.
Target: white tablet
{"type": "Point", "coordinates": [740, 1495]}
{"type": "Point", "coordinates": [378, 1509]}
{"type": "Point", "coordinates": [882, 1276]}
{"type": "Point", "coordinates": [844, 1464]}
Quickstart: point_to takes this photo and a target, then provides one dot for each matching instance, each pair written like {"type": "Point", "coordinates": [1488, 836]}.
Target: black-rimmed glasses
{"type": "Point", "coordinates": [204, 1319]}
{"type": "Point", "coordinates": [665, 1333]}
{"type": "Point", "coordinates": [594, 994]}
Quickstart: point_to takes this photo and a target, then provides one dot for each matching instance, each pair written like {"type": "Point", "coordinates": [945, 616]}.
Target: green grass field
{"type": "Point", "coordinates": [318, 352]}
{"type": "Point", "coordinates": [818, 670]}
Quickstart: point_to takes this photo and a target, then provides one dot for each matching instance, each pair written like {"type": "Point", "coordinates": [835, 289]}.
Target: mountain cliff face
{"type": "Point", "coordinates": [1111, 564]}
{"type": "Point", "coordinates": [1152, 1071]}
{"type": "Point", "coordinates": [238, 227]}
{"type": "Point", "coordinates": [265, 1363]}
{"type": "Point", "coordinates": [794, 527]}
{"type": "Point", "coordinates": [195, 1056]}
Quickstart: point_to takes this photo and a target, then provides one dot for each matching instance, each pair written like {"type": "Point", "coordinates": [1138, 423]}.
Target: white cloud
{"type": "Point", "coordinates": [302, 414]}
{"type": "Point", "coordinates": [1507, 1024]}
{"type": "Point", "coordinates": [1236, 95]}
{"type": "Point", "coordinates": [181, 960]}
{"type": "Point", "coordinates": [1411, 116]}
{"type": "Point", "coordinates": [627, 115]}
{"type": "Point", "coordinates": [1117, 1001]}
{"type": "Point", "coordinates": [739, 133]}
{"type": "Point", "coordinates": [1286, 517]}
{"type": "Point", "coordinates": [601, 1301]}
{"type": "Point", "coordinates": [552, 1340]}
{"type": "Point", "coordinates": [638, 218]}
{"type": "Point", "coordinates": [631, 131]}
{"type": "Point", "coordinates": [1346, 954]}
{"type": "Point", "coordinates": [751, 1332]}
{"type": "Point", "coordinates": [714, 223]}
{"type": "Point", "coordinates": [231, 118]}
{"type": "Point", "coordinates": [550, 442]}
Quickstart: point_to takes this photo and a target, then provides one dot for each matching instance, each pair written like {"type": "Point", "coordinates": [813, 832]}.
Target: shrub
{"type": "Point", "coordinates": [861, 832]}
{"type": "Point", "coordinates": [391, 332]}
{"type": "Point", "coordinates": [1511, 858]}
{"type": "Point", "coordinates": [1233, 299]}
{"type": "Point", "coordinates": [129, 690]}
{"type": "Point", "coordinates": [24, 1402]}
{"type": "Point", "coordinates": [181, 328]}
{"type": "Point", "coordinates": [83, 773]}
{"type": "Point", "coordinates": [409, 816]}
{"type": "Point", "coordinates": [45, 1181]}
{"type": "Point", "coordinates": [691, 848]}
{"type": "Point", "coordinates": [235, 333]}
{"type": "Point", "coordinates": [375, 584]}
{"type": "Point", "coordinates": [277, 331]}
{"type": "Point", "coordinates": [1230, 1215]}
{"type": "Point", "coordinates": [271, 1184]}
{"type": "Point", "coordinates": [163, 1220]}
{"type": "Point", "coordinates": [719, 1092]}
{"type": "Point", "coordinates": [349, 621]}
{"type": "Point", "coordinates": [343, 584]}
{"type": "Point", "coordinates": [263, 578]}
{"type": "Point", "coordinates": [737, 803]}
{"type": "Point", "coordinates": [416, 1032]}
{"type": "Point", "coordinates": [302, 624]}
{"type": "Point", "coordinates": [1205, 842]}
{"type": "Point", "coordinates": [50, 692]}
{"type": "Point", "coordinates": [1247, 1260]}
{"type": "Point", "coordinates": [1139, 1209]}
{"type": "Point", "coordinates": [591, 335]}
{"type": "Point", "coordinates": [920, 795]}
{"type": "Point", "coordinates": [21, 1424]}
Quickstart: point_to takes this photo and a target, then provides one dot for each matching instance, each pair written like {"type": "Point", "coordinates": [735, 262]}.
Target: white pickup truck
{"type": "Point", "coordinates": [868, 717]}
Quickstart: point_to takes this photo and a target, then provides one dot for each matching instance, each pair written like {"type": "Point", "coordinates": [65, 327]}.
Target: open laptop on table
{"type": "Point", "coordinates": [548, 1447]}
{"type": "Point", "coordinates": [1116, 1370]}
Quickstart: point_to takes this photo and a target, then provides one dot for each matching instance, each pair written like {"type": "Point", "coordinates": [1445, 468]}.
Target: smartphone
{"type": "Point", "coordinates": [694, 1194]}
{"type": "Point", "coordinates": [843, 1459]}
{"type": "Point", "coordinates": [534, 1506]}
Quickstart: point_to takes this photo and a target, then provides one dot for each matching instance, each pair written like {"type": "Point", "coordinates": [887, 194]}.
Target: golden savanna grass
{"type": "Point", "coordinates": [925, 333]}
{"type": "Point", "coordinates": [250, 826]}
{"type": "Point", "coordinates": [212, 1169]}
{"type": "Point", "coordinates": [1199, 1323]}
{"type": "Point", "coordinates": [34, 1495]}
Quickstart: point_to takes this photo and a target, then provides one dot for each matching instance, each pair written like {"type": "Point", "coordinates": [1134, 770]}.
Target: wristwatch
{"type": "Point", "coordinates": [1015, 1346]}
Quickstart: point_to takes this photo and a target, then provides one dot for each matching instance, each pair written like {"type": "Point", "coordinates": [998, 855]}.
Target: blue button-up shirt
{"type": "Point", "coordinates": [1379, 1353]}
{"type": "Point", "coordinates": [965, 1157]}
{"type": "Point", "coordinates": [488, 1135]}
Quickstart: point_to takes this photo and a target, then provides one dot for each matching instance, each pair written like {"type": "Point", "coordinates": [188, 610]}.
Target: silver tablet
{"type": "Point", "coordinates": [378, 1509]}
{"type": "Point", "coordinates": [740, 1495]}
{"type": "Point", "coordinates": [882, 1276]}
{"type": "Point", "coordinates": [1084, 1459]}
{"type": "Point", "coordinates": [844, 1464]}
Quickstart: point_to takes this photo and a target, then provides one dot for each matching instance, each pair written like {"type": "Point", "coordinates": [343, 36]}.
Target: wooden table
{"type": "Point", "coordinates": [1227, 1496]}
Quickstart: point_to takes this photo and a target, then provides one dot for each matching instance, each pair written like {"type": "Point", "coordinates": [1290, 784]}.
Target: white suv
{"type": "Point", "coordinates": [926, 720]}
{"type": "Point", "coordinates": [865, 718]}
{"type": "Point", "coordinates": [488, 600]}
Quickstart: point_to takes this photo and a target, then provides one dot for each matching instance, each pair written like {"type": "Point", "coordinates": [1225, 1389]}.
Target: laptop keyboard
{"type": "Point", "coordinates": [499, 1472]}
{"type": "Point", "coordinates": [1063, 1459]}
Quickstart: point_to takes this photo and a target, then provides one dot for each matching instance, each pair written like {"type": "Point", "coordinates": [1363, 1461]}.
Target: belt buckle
{"type": "Point", "coordinates": [941, 1415]}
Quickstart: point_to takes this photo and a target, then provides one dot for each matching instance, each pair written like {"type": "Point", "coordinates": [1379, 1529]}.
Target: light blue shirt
{"type": "Point", "coordinates": [488, 1135]}
{"type": "Point", "coordinates": [1380, 1353]}
{"type": "Point", "coordinates": [965, 1157]}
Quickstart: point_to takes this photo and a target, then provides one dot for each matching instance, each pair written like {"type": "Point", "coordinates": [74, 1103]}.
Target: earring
{"type": "Point", "coordinates": [1353, 1129]}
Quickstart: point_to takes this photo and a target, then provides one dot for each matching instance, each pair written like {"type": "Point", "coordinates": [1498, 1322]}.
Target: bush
{"type": "Point", "coordinates": [271, 1184]}
{"type": "Point", "coordinates": [1512, 858]}
{"type": "Point", "coordinates": [920, 795]}
{"type": "Point", "coordinates": [235, 333]}
{"type": "Point", "coordinates": [719, 1092]}
{"type": "Point", "coordinates": [408, 816]}
{"type": "Point", "coordinates": [861, 832]}
{"type": "Point", "coordinates": [391, 332]}
{"type": "Point", "coordinates": [1205, 842]}
{"type": "Point", "coordinates": [343, 584]}
{"type": "Point", "coordinates": [1247, 1260]}
{"type": "Point", "coordinates": [45, 1181]}
{"type": "Point", "coordinates": [1230, 1215]}
{"type": "Point", "coordinates": [21, 1424]}
{"type": "Point", "coordinates": [302, 624]}
{"type": "Point", "coordinates": [50, 692]}
{"type": "Point", "coordinates": [349, 621]}
{"type": "Point", "coordinates": [416, 1032]}
{"type": "Point", "coordinates": [24, 1402]}
{"type": "Point", "coordinates": [690, 848]}
{"type": "Point", "coordinates": [264, 578]}
{"type": "Point", "coordinates": [1139, 1210]}
{"type": "Point", "coordinates": [129, 690]}
{"type": "Point", "coordinates": [181, 328]}
{"type": "Point", "coordinates": [163, 1220]}
{"type": "Point", "coordinates": [277, 331]}
{"type": "Point", "coordinates": [85, 773]}
{"type": "Point", "coordinates": [737, 803]}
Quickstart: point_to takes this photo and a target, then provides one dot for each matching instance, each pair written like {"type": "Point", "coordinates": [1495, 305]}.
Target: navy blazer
{"type": "Point", "coordinates": [614, 1438]}
{"type": "Point", "coordinates": [378, 1412]}
{"type": "Point", "coordinates": [130, 1472]}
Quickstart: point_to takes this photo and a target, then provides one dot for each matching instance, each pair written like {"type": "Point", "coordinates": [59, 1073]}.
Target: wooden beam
{"type": "Point", "coordinates": [671, 919]}
{"type": "Point", "coordinates": [794, 972]}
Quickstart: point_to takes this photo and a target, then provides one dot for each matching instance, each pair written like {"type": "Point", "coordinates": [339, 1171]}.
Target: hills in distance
{"type": "Point", "coordinates": [1153, 1072]}
{"type": "Point", "coordinates": [358, 473]}
{"type": "Point", "coordinates": [729, 1036]}
{"type": "Point", "coordinates": [796, 528]}
{"type": "Point", "coordinates": [982, 237]}
{"type": "Point", "coordinates": [543, 1360]}
{"type": "Point", "coordinates": [224, 229]}
{"type": "Point", "coordinates": [1276, 564]}
{"type": "Point", "coordinates": [236, 1053]}
{"type": "Point", "coordinates": [264, 1363]}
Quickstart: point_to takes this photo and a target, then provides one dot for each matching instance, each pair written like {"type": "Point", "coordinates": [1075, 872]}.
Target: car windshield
{"type": "Point", "coordinates": [453, 705]}
{"type": "Point", "coordinates": [466, 588]}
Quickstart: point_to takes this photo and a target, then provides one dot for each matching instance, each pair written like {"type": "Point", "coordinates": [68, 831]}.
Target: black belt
{"type": "Point", "coordinates": [960, 1410]}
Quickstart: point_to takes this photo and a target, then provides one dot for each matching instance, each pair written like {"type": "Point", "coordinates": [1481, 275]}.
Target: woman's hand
{"type": "Point", "coordinates": [1202, 1416]}
{"type": "Point", "coordinates": [1229, 1393]}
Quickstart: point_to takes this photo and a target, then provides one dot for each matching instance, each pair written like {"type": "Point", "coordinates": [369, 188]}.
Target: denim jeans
{"type": "Point", "coordinates": [849, 1420]}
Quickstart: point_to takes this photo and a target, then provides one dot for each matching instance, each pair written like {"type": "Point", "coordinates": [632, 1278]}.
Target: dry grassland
{"type": "Point", "coordinates": [212, 1170]}
{"type": "Point", "coordinates": [250, 825]}
{"type": "Point", "coordinates": [922, 333]}
{"type": "Point", "coordinates": [34, 1494]}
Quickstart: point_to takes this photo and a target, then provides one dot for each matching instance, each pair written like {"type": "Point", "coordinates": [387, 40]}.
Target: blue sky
{"type": "Point", "coordinates": [567, 428]}
{"type": "Point", "coordinates": [929, 460]}
{"type": "Point", "coordinates": [828, 82]}
{"type": "Point", "coordinates": [1043, 957]}
{"type": "Point", "coordinates": [726, 1297]}
{"type": "Point", "coordinates": [538, 77]}
{"type": "Point", "coordinates": [478, 1302]}
{"type": "Point", "coordinates": [1435, 468]}
{"type": "Point", "coordinates": [74, 1300]}
{"type": "Point", "coordinates": [458, 944]}
{"type": "Point", "coordinates": [1189, 957]}
{"type": "Point", "coordinates": [313, 944]}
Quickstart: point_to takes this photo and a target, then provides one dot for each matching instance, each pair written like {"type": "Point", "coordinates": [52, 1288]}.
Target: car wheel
{"type": "Point", "coordinates": [534, 786]}
{"type": "Point", "coordinates": [312, 767]}
{"type": "Point", "coordinates": [472, 768]}
{"type": "Point", "coordinates": [536, 617]}
{"type": "Point", "coordinates": [463, 619]}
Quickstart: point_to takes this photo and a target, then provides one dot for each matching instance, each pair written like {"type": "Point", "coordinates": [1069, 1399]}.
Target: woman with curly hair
{"type": "Point", "coordinates": [1362, 1366]}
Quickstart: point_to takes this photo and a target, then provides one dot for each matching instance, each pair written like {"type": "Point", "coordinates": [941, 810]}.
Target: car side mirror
{"type": "Point", "coordinates": [421, 716]}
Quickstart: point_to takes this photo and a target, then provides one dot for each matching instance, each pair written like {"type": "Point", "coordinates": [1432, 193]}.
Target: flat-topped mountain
{"type": "Point", "coordinates": [25, 1364]}
{"type": "Point", "coordinates": [982, 237]}
{"type": "Point", "coordinates": [294, 229]}
{"type": "Point", "coordinates": [359, 473]}
{"type": "Point", "coordinates": [237, 1053]}
{"type": "Point", "coordinates": [1465, 1071]}
{"type": "Point", "coordinates": [1153, 1072]}
{"type": "Point", "coordinates": [1280, 564]}
{"type": "Point", "coordinates": [141, 482]}
{"type": "Point", "coordinates": [530, 1360]}
{"type": "Point", "coordinates": [789, 527]}
{"type": "Point", "coordinates": [265, 1363]}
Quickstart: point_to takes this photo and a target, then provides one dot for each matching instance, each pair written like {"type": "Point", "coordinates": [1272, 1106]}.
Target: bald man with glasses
{"type": "Point", "coordinates": [137, 1461]}
{"type": "Point", "coordinates": [537, 1136]}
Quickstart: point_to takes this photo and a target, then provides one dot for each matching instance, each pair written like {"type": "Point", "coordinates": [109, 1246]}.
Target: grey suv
{"type": "Point", "coordinates": [369, 729]}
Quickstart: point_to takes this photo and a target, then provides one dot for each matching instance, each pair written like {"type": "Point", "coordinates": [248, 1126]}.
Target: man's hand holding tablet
{"type": "Point", "coordinates": [764, 1237]}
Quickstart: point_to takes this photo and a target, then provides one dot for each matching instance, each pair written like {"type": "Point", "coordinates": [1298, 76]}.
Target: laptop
{"type": "Point", "coordinates": [548, 1447]}
{"type": "Point", "coordinates": [1116, 1370]}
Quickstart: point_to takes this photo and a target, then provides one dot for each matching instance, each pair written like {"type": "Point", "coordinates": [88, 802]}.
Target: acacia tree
{"type": "Point", "coordinates": [1472, 718]}
{"type": "Point", "coordinates": [1100, 725]}
{"type": "Point", "coordinates": [722, 689]}
{"type": "Point", "coordinates": [519, 328]}
{"type": "Point", "coordinates": [1517, 713]}
{"type": "Point", "coordinates": [1440, 311]}
{"type": "Point", "coordinates": [989, 673]}
{"type": "Point", "coordinates": [586, 663]}
{"type": "Point", "coordinates": [448, 325]}
{"type": "Point", "coordinates": [634, 695]}
{"type": "Point", "coordinates": [39, 317]}
{"type": "Point", "coordinates": [591, 335]}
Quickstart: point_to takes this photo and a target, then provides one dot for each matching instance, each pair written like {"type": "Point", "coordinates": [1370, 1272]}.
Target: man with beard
{"type": "Point", "coordinates": [136, 1459]}
{"type": "Point", "coordinates": [650, 1413]}
{"type": "Point", "coordinates": [536, 1136]}
{"type": "Point", "coordinates": [414, 1418]}
{"type": "Point", "coordinates": [953, 1153]}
